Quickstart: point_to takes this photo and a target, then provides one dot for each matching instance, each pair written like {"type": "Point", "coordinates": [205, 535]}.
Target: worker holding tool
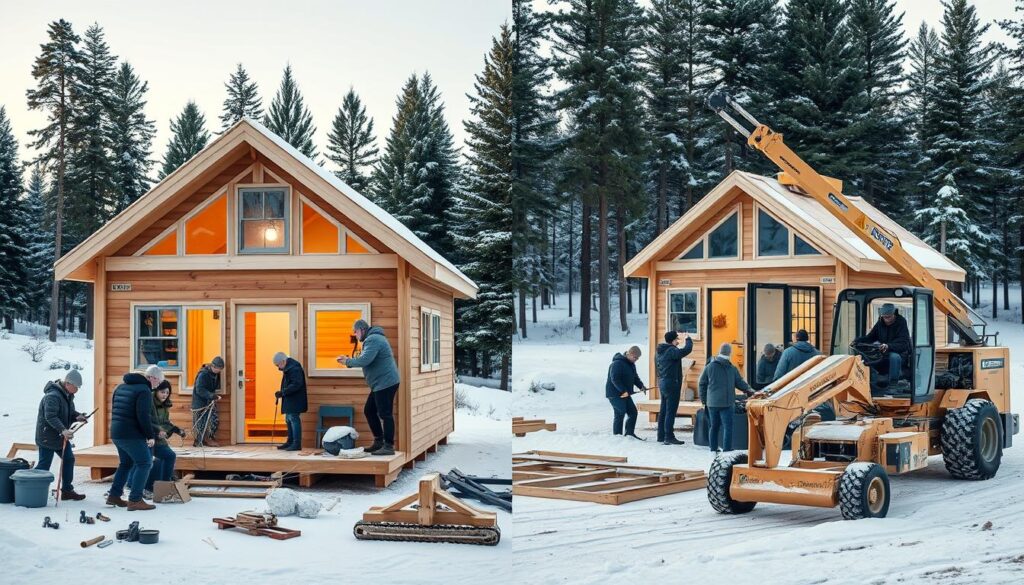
{"type": "Point", "coordinates": [668, 360]}
{"type": "Point", "coordinates": [378, 363]}
{"type": "Point", "coordinates": [163, 455]}
{"type": "Point", "coordinates": [204, 396]}
{"type": "Point", "coordinates": [131, 430]}
{"type": "Point", "coordinates": [618, 389]}
{"type": "Point", "coordinates": [893, 338]}
{"type": "Point", "coordinates": [53, 430]}
{"type": "Point", "coordinates": [293, 398]}
{"type": "Point", "coordinates": [717, 388]}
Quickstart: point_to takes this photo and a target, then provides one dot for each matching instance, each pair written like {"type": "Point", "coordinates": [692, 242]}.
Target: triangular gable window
{"type": "Point", "coordinates": [695, 253]}
{"type": "Point", "coordinates": [319, 234]}
{"type": "Point", "coordinates": [723, 241]}
{"type": "Point", "coordinates": [168, 246]}
{"type": "Point", "coordinates": [772, 236]}
{"type": "Point", "coordinates": [206, 232]}
{"type": "Point", "coordinates": [802, 248]}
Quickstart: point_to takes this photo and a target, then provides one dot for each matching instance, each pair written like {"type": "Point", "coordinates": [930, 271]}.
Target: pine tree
{"type": "Point", "coordinates": [1012, 150]}
{"type": "Point", "coordinates": [949, 227]}
{"type": "Point", "coordinates": [131, 135]}
{"type": "Point", "coordinates": [188, 137]}
{"type": "Point", "coordinates": [37, 233]}
{"type": "Point", "coordinates": [351, 143]}
{"type": "Point", "coordinates": [243, 100]}
{"type": "Point", "coordinates": [922, 53]}
{"type": "Point", "coordinates": [483, 233]}
{"type": "Point", "coordinates": [289, 118]}
{"type": "Point", "coordinates": [57, 71]}
{"type": "Point", "coordinates": [13, 279]}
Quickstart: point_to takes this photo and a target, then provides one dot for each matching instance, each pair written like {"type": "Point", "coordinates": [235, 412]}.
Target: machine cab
{"type": "Point", "coordinates": [857, 311]}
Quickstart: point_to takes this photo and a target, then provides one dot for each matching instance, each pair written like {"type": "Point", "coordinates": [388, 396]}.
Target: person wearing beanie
{"type": "Point", "coordinates": [796, 354]}
{"type": "Point", "coordinates": [717, 388]}
{"type": "Point", "coordinates": [892, 335]}
{"type": "Point", "coordinates": [293, 398]}
{"type": "Point", "coordinates": [205, 419]}
{"type": "Point", "coordinates": [766, 366]}
{"type": "Point", "coordinates": [53, 430]}
{"type": "Point", "coordinates": [668, 361]}
{"type": "Point", "coordinates": [618, 389]}
{"type": "Point", "coordinates": [381, 372]}
{"type": "Point", "coordinates": [133, 435]}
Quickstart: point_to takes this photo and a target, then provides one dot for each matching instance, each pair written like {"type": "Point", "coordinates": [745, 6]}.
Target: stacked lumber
{"type": "Point", "coordinates": [521, 426]}
{"type": "Point", "coordinates": [599, 479]}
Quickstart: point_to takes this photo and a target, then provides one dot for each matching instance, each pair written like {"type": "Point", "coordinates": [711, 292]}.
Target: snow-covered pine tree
{"type": "Point", "coordinates": [351, 143]}
{"type": "Point", "coordinates": [483, 227]}
{"type": "Point", "coordinates": [879, 165]}
{"type": "Point", "coordinates": [131, 134]}
{"type": "Point", "coordinates": [37, 232]}
{"type": "Point", "coordinates": [949, 228]}
{"type": "Point", "coordinates": [995, 203]}
{"type": "Point", "coordinates": [243, 99]}
{"type": "Point", "coordinates": [922, 53]}
{"type": "Point", "coordinates": [57, 71]}
{"type": "Point", "coordinates": [387, 173]}
{"type": "Point", "coordinates": [289, 117]}
{"type": "Point", "coordinates": [13, 279]}
{"type": "Point", "coordinates": [188, 136]}
{"type": "Point", "coordinates": [1012, 153]}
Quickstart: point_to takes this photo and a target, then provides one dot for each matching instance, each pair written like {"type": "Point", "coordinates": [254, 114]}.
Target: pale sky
{"type": "Point", "coordinates": [186, 49]}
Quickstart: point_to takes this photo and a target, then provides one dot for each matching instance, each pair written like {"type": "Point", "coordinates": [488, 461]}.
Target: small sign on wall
{"type": "Point", "coordinates": [664, 282]}
{"type": "Point", "coordinates": [120, 286]}
{"type": "Point", "coordinates": [828, 280]}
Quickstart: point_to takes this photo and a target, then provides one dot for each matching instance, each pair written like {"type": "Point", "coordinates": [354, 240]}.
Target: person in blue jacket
{"type": "Point", "coordinates": [381, 372]}
{"type": "Point", "coordinates": [293, 398]}
{"type": "Point", "coordinates": [133, 434]}
{"type": "Point", "coordinates": [668, 359]}
{"type": "Point", "coordinates": [618, 389]}
{"type": "Point", "coordinates": [796, 354]}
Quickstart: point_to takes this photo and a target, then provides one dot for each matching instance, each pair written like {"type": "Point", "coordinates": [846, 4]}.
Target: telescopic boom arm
{"type": "Point", "coordinates": [887, 245]}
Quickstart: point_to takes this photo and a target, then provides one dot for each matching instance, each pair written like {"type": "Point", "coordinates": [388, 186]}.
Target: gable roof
{"type": "Point", "coordinates": [248, 132]}
{"type": "Point", "coordinates": [810, 220]}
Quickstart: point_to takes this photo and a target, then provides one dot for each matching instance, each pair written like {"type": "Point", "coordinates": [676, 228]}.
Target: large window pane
{"type": "Point", "coordinates": [273, 204]}
{"type": "Point", "coordinates": [435, 331]}
{"type": "Point", "coordinates": [203, 342]}
{"type": "Point", "coordinates": [722, 242]}
{"type": "Point", "coordinates": [207, 231]}
{"type": "Point", "coordinates": [157, 337]}
{"type": "Point", "coordinates": [772, 236]}
{"type": "Point", "coordinates": [319, 235]}
{"type": "Point", "coordinates": [683, 311]}
{"type": "Point", "coordinates": [252, 204]}
{"type": "Point", "coordinates": [264, 222]}
{"type": "Point", "coordinates": [331, 335]}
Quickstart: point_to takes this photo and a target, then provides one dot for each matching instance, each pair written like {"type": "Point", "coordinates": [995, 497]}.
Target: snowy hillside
{"type": "Point", "coordinates": [937, 529]}
{"type": "Point", "coordinates": [326, 551]}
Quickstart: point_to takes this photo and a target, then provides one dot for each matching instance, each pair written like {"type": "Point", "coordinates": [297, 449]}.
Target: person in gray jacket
{"type": "Point", "coordinates": [796, 354]}
{"type": "Point", "coordinates": [381, 373]}
{"type": "Point", "coordinates": [53, 430]}
{"type": "Point", "coordinates": [717, 387]}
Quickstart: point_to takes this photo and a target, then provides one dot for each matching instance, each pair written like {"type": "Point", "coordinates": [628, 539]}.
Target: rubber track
{"type": "Point", "coordinates": [451, 533]}
{"type": "Point", "coordinates": [958, 440]}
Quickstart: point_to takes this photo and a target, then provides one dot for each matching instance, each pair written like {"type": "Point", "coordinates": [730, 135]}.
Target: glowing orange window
{"type": "Point", "coordinates": [207, 231]}
{"type": "Point", "coordinates": [332, 337]}
{"type": "Point", "coordinates": [319, 235]}
{"type": "Point", "coordinates": [165, 247]}
{"type": "Point", "coordinates": [352, 246]}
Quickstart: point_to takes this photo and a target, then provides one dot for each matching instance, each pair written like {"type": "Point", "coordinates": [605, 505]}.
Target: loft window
{"type": "Point", "coordinates": [206, 232]}
{"type": "Point", "coordinates": [319, 234]}
{"type": "Point", "coordinates": [772, 236]}
{"type": "Point", "coordinates": [263, 221]}
{"type": "Point", "coordinates": [430, 339]}
{"type": "Point", "coordinates": [168, 246]}
{"type": "Point", "coordinates": [723, 241]}
{"type": "Point", "coordinates": [694, 253]}
{"type": "Point", "coordinates": [683, 311]}
{"type": "Point", "coordinates": [802, 248]}
{"type": "Point", "coordinates": [353, 246]}
{"type": "Point", "coordinates": [157, 337]}
{"type": "Point", "coordinates": [330, 336]}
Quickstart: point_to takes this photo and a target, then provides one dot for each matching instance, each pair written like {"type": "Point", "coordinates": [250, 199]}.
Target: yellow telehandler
{"type": "Point", "coordinates": [963, 413]}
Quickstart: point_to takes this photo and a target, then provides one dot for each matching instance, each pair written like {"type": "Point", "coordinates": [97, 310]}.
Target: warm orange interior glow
{"type": "Point", "coordinates": [728, 304]}
{"type": "Point", "coordinates": [266, 334]}
{"type": "Point", "coordinates": [334, 337]}
{"type": "Point", "coordinates": [319, 235]}
{"type": "Point", "coordinates": [207, 231]}
{"type": "Point", "coordinates": [354, 247]}
{"type": "Point", "coordinates": [203, 326]}
{"type": "Point", "coordinates": [165, 247]}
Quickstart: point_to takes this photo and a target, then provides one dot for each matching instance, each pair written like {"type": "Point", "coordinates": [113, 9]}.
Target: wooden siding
{"type": "Point", "coordinates": [433, 392]}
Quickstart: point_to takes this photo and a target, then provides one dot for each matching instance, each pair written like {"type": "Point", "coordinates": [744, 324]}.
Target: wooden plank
{"type": "Point", "coordinates": [615, 458]}
{"type": "Point", "coordinates": [99, 387]}
{"type": "Point", "coordinates": [429, 484]}
{"type": "Point", "coordinates": [571, 480]}
{"type": "Point", "coordinates": [16, 447]}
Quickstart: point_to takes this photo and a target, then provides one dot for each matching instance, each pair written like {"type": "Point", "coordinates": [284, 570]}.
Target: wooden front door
{"type": "Point", "coordinates": [260, 332]}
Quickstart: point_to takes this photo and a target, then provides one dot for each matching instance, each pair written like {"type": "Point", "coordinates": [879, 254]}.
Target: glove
{"type": "Point", "coordinates": [150, 442]}
{"type": "Point", "coordinates": [277, 394]}
{"type": "Point", "coordinates": [68, 434]}
{"type": "Point", "coordinates": [81, 418]}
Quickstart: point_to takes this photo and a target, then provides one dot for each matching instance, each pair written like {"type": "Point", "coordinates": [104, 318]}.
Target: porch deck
{"type": "Point", "coordinates": [308, 463]}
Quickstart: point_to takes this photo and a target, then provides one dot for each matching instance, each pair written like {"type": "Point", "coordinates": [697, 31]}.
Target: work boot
{"type": "Point", "coordinates": [116, 501]}
{"type": "Point", "coordinates": [377, 444]}
{"type": "Point", "coordinates": [387, 450]}
{"type": "Point", "coordinates": [635, 437]}
{"type": "Point", "coordinates": [293, 448]}
{"type": "Point", "coordinates": [139, 505]}
{"type": "Point", "coordinates": [211, 443]}
{"type": "Point", "coordinates": [71, 495]}
{"type": "Point", "coordinates": [284, 446]}
{"type": "Point", "coordinates": [673, 441]}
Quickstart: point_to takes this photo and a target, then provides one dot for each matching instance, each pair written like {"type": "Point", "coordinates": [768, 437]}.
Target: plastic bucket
{"type": "Point", "coordinates": [31, 487]}
{"type": "Point", "coordinates": [7, 467]}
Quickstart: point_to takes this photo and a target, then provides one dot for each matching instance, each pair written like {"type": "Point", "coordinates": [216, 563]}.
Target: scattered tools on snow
{"type": "Point", "coordinates": [596, 478]}
{"type": "Point", "coordinates": [92, 541]}
{"type": "Point", "coordinates": [521, 426]}
{"type": "Point", "coordinates": [83, 519]}
{"type": "Point", "coordinates": [469, 486]}
{"type": "Point", "coordinates": [220, 488]}
{"type": "Point", "coordinates": [48, 524]}
{"type": "Point", "coordinates": [129, 535]}
{"type": "Point", "coordinates": [257, 524]}
{"type": "Point", "coordinates": [429, 515]}
{"type": "Point", "coordinates": [105, 543]}
{"type": "Point", "coordinates": [101, 517]}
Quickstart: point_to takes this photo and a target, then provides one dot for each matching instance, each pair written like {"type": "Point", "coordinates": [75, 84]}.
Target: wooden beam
{"type": "Point", "coordinates": [253, 262]}
{"type": "Point", "coordinates": [404, 358]}
{"type": "Point", "coordinates": [99, 387]}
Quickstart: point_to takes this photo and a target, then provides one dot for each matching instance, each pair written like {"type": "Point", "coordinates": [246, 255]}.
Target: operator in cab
{"type": "Point", "coordinates": [893, 338]}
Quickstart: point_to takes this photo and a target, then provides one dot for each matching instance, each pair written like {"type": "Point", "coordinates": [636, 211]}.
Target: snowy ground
{"type": "Point", "coordinates": [933, 533]}
{"type": "Point", "coordinates": [325, 551]}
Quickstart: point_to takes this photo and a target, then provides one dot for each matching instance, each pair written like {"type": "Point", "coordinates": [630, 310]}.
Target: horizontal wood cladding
{"type": "Point", "coordinates": [433, 392]}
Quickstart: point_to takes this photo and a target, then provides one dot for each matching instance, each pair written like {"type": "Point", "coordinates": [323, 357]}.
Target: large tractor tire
{"type": "Point", "coordinates": [719, 480]}
{"type": "Point", "coordinates": [864, 491]}
{"type": "Point", "coordinates": [972, 440]}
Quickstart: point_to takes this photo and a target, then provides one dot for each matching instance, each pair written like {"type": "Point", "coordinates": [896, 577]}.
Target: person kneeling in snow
{"type": "Point", "coordinates": [622, 377]}
{"type": "Point", "coordinates": [53, 430]}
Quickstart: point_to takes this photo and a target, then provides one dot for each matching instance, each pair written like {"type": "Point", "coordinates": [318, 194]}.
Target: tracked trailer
{"type": "Point", "coordinates": [951, 400]}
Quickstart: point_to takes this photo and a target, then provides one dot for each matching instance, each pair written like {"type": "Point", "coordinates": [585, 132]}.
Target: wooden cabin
{"type": "Point", "coordinates": [753, 262]}
{"type": "Point", "coordinates": [250, 248]}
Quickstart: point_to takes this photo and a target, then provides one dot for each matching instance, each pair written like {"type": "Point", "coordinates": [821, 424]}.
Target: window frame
{"type": "Point", "coordinates": [791, 240]}
{"type": "Point", "coordinates": [286, 248]}
{"type": "Point", "coordinates": [428, 361]}
{"type": "Point", "coordinates": [696, 336]}
{"type": "Point", "coordinates": [311, 310]}
{"type": "Point", "coordinates": [136, 308]}
{"type": "Point", "coordinates": [704, 239]}
{"type": "Point", "coordinates": [187, 386]}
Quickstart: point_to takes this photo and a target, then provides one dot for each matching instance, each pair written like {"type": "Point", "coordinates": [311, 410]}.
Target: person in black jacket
{"type": "Point", "coordinates": [618, 389]}
{"type": "Point", "coordinates": [668, 359]}
{"type": "Point", "coordinates": [893, 338]}
{"type": "Point", "coordinates": [293, 398]}
{"type": "Point", "coordinates": [53, 430]}
{"type": "Point", "coordinates": [133, 434]}
{"type": "Point", "coordinates": [205, 420]}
